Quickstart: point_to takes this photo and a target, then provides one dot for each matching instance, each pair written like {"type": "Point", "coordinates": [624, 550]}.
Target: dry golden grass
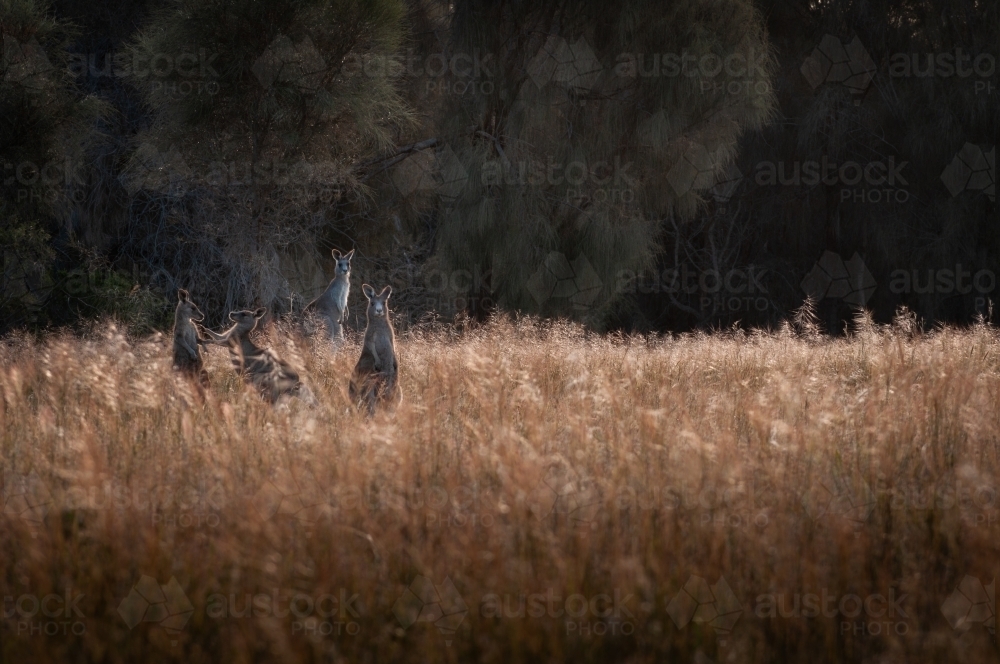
{"type": "Point", "coordinates": [790, 466]}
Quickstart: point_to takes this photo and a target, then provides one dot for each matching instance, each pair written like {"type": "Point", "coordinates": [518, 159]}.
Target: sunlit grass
{"type": "Point", "coordinates": [525, 460]}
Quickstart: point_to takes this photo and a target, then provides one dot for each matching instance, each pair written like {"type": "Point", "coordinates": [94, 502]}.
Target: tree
{"type": "Point", "coordinates": [601, 124]}
{"type": "Point", "coordinates": [43, 137]}
{"type": "Point", "coordinates": [919, 92]}
{"type": "Point", "coordinates": [261, 115]}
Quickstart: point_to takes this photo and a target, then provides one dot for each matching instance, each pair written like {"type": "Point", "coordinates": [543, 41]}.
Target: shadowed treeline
{"type": "Point", "coordinates": [629, 166]}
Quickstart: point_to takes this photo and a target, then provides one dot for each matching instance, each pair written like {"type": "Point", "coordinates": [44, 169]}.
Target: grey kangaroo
{"type": "Point", "coordinates": [273, 377]}
{"type": "Point", "coordinates": [187, 340]}
{"type": "Point", "coordinates": [376, 375]}
{"type": "Point", "coordinates": [332, 304]}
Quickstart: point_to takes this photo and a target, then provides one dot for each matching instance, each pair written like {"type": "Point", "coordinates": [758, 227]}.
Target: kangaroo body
{"type": "Point", "coordinates": [261, 367]}
{"type": "Point", "coordinates": [187, 341]}
{"type": "Point", "coordinates": [375, 380]}
{"type": "Point", "coordinates": [332, 304]}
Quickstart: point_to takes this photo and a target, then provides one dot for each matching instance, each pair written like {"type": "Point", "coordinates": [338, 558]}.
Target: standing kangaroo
{"type": "Point", "coordinates": [187, 340]}
{"type": "Point", "coordinates": [262, 368]}
{"type": "Point", "coordinates": [332, 304]}
{"type": "Point", "coordinates": [376, 375]}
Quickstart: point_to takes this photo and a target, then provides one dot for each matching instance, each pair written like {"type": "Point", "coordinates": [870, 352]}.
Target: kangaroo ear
{"type": "Point", "coordinates": [349, 254]}
{"type": "Point", "coordinates": [368, 291]}
{"type": "Point", "coordinates": [386, 292]}
{"type": "Point", "coordinates": [336, 254]}
{"type": "Point", "coordinates": [182, 295]}
{"type": "Point", "coordinates": [259, 313]}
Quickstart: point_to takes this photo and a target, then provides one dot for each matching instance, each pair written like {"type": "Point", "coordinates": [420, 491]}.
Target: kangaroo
{"type": "Point", "coordinates": [332, 304]}
{"type": "Point", "coordinates": [273, 377]}
{"type": "Point", "coordinates": [376, 375]}
{"type": "Point", "coordinates": [187, 340]}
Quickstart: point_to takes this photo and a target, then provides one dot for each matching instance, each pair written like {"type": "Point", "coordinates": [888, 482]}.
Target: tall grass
{"type": "Point", "coordinates": [588, 479]}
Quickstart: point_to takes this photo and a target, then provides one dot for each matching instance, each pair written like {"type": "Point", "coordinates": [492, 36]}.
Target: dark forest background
{"type": "Point", "coordinates": [634, 165]}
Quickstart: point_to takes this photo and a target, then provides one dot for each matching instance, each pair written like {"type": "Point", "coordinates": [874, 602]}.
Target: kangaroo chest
{"type": "Point", "coordinates": [185, 332]}
{"type": "Point", "coordinates": [338, 292]}
{"type": "Point", "coordinates": [381, 344]}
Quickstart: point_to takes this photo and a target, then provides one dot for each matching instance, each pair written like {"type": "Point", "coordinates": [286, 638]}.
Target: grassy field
{"type": "Point", "coordinates": [541, 495]}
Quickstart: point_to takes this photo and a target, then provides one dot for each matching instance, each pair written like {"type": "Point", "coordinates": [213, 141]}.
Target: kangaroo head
{"type": "Point", "coordinates": [246, 320]}
{"type": "Point", "coordinates": [378, 305]}
{"type": "Point", "coordinates": [343, 261]}
{"type": "Point", "coordinates": [186, 308]}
